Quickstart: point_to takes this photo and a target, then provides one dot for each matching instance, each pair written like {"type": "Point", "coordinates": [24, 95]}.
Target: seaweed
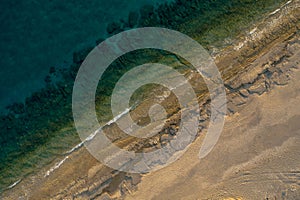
{"type": "Point", "coordinates": [31, 124]}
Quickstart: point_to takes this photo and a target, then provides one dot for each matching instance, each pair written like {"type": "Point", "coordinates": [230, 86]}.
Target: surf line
{"type": "Point", "coordinates": [14, 184]}
{"type": "Point", "coordinates": [89, 138]}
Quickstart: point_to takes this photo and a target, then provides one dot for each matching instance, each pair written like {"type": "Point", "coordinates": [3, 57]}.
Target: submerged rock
{"type": "Point", "coordinates": [133, 19]}
{"type": "Point", "coordinates": [79, 56]}
{"type": "Point", "coordinates": [146, 11]}
{"type": "Point", "coordinates": [113, 28]}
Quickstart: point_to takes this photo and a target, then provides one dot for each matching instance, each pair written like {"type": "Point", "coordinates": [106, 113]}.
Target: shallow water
{"type": "Point", "coordinates": [37, 35]}
{"type": "Point", "coordinates": [60, 29]}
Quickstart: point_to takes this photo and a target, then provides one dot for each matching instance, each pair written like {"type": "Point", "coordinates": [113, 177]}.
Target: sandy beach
{"type": "Point", "coordinates": [257, 155]}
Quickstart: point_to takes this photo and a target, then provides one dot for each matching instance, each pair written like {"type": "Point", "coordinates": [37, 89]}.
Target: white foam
{"type": "Point", "coordinates": [118, 116]}
{"type": "Point", "coordinates": [288, 2]}
{"type": "Point", "coordinates": [275, 11]}
{"type": "Point", "coordinates": [14, 184]}
{"type": "Point", "coordinates": [253, 30]}
{"type": "Point", "coordinates": [56, 166]}
{"type": "Point", "coordinates": [90, 137]}
{"type": "Point", "coordinates": [75, 148]}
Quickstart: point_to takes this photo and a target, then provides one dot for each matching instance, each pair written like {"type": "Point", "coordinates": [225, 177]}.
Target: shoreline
{"type": "Point", "coordinates": [36, 126]}
{"type": "Point", "coordinates": [81, 151]}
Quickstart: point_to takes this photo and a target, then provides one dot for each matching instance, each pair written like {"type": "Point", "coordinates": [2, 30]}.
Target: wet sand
{"type": "Point", "coordinates": [256, 156]}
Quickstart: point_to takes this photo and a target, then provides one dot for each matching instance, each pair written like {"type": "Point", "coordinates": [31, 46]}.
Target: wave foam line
{"type": "Point", "coordinates": [89, 138]}
{"type": "Point", "coordinates": [56, 166]}
{"type": "Point", "coordinates": [14, 184]}
{"type": "Point", "coordinates": [75, 148]}
{"type": "Point", "coordinates": [277, 10]}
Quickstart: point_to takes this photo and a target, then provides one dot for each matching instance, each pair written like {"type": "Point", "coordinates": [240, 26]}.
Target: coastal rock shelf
{"type": "Point", "coordinates": [256, 63]}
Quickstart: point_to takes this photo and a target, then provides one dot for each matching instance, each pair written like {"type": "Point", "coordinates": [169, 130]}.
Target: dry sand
{"type": "Point", "coordinates": [257, 155]}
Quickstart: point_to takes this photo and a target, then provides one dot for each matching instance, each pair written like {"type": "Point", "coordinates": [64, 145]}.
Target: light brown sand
{"type": "Point", "coordinates": [256, 157]}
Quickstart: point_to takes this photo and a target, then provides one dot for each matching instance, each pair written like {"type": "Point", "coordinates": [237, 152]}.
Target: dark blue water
{"type": "Point", "coordinates": [37, 34]}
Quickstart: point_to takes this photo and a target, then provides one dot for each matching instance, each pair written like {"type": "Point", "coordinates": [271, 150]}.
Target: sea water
{"type": "Point", "coordinates": [36, 35]}
{"type": "Point", "coordinates": [39, 34]}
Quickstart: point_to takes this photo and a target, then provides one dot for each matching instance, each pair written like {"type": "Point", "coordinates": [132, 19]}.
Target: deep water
{"type": "Point", "coordinates": [44, 43]}
{"type": "Point", "coordinates": [36, 35]}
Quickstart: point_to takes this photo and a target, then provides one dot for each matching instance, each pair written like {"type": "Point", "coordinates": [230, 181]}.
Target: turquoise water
{"type": "Point", "coordinates": [41, 35]}
{"type": "Point", "coordinates": [36, 35]}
